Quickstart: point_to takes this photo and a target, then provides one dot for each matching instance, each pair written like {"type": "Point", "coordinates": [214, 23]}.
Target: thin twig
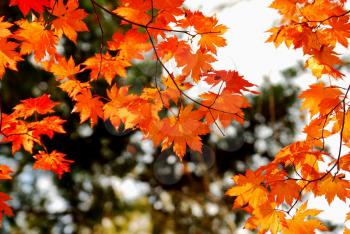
{"type": "Point", "coordinates": [102, 37]}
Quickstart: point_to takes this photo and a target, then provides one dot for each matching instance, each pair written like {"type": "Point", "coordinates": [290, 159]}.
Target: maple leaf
{"type": "Point", "coordinates": [107, 67]}
{"type": "Point", "coordinates": [134, 10]}
{"type": "Point", "coordinates": [248, 189]}
{"type": "Point", "coordinates": [5, 209]}
{"type": "Point", "coordinates": [41, 105]}
{"type": "Point", "coordinates": [340, 31]}
{"type": "Point", "coordinates": [73, 87]}
{"type": "Point", "coordinates": [63, 68]}
{"type": "Point", "coordinates": [171, 93]}
{"type": "Point", "coordinates": [317, 97]}
{"type": "Point", "coordinates": [340, 122]}
{"type": "Point", "coordinates": [4, 28]}
{"type": "Point", "coordinates": [18, 133]}
{"type": "Point", "coordinates": [89, 107]}
{"type": "Point", "coordinates": [26, 5]}
{"type": "Point", "coordinates": [279, 188]}
{"type": "Point", "coordinates": [173, 48]}
{"type": "Point", "coordinates": [332, 186]}
{"type": "Point", "coordinates": [167, 10]}
{"type": "Point", "coordinates": [131, 45]}
{"type": "Point", "coordinates": [299, 35]}
{"type": "Point", "coordinates": [287, 8]}
{"type": "Point", "coordinates": [233, 81]}
{"type": "Point", "coordinates": [69, 19]}
{"type": "Point", "coordinates": [316, 128]}
{"type": "Point", "coordinates": [323, 61]}
{"type": "Point", "coordinates": [344, 162]}
{"type": "Point", "coordinates": [266, 218]}
{"type": "Point", "coordinates": [5, 172]}
{"type": "Point", "coordinates": [301, 156]}
{"type": "Point", "coordinates": [35, 38]}
{"type": "Point", "coordinates": [161, 98]}
{"type": "Point", "coordinates": [184, 130]}
{"type": "Point", "coordinates": [117, 110]}
{"type": "Point", "coordinates": [321, 9]}
{"type": "Point", "coordinates": [298, 224]}
{"type": "Point", "coordinates": [8, 56]}
{"type": "Point", "coordinates": [196, 64]}
{"type": "Point", "coordinates": [53, 161]}
{"type": "Point", "coordinates": [168, 5]}
{"type": "Point", "coordinates": [225, 107]}
{"type": "Point", "coordinates": [279, 35]}
{"type": "Point", "coordinates": [47, 126]}
{"type": "Point", "coordinates": [208, 28]}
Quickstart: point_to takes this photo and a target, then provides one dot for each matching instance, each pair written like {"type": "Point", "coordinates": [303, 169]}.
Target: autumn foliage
{"type": "Point", "coordinates": [184, 44]}
{"type": "Point", "coordinates": [275, 194]}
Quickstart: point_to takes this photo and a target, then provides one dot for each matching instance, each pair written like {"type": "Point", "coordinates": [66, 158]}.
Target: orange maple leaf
{"type": "Point", "coordinates": [5, 172]}
{"type": "Point", "coordinates": [339, 31]}
{"type": "Point", "coordinates": [62, 68]}
{"type": "Point", "coordinates": [8, 56]}
{"type": "Point", "coordinates": [321, 9]}
{"type": "Point", "coordinates": [225, 107]}
{"type": "Point", "coordinates": [196, 64]}
{"type": "Point", "coordinates": [323, 61]}
{"type": "Point", "coordinates": [18, 133]}
{"type": "Point", "coordinates": [300, 222]}
{"type": "Point", "coordinates": [344, 162]}
{"type": "Point", "coordinates": [47, 126]}
{"type": "Point", "coordinates": [207, 27]}
{"type": "Point", "coordinates": [278, 191]}
{"type": "Point", "coordinates": [73, 87]}
{"type": "Point", "coordinates": [35, 39]}
{"type": "Point", "coordinates": [41, 105]}
{"type": "Point", "coordinates": [134, 10]}
{"type": "Point", "coordinates": [53, 161]}
{"type": "Point", "coordinates": [4, 28]}
{"type": "Point", "coordinates": [171, 47]}
{"type": "Point", "coordinates": [89, 107]}
{"type": "Point", "coordinates": [331, 186]}
{"type": "Point", "coordinates": [69, 19]}
{"type": "Point", "coordinates": [316, 128]}
{"type": "Point", "coordinates": [317, 98]}
{"type": "Point", "coordinates": [248, 190]}
{"type": "Point", "coordinates": [266, 218]}
{"type": "Point", "coordinates": [131, 45]}
{"type": "Point", "coordinates": [117, 110]}
{"type": "Point", "coordinates": [184, 129]}
{"type": "Point", "coordinates": [106, 66]}
{"type": "Point", "coordinates": [287, 8]}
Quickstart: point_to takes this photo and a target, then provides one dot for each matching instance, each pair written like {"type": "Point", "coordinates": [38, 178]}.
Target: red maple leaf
{"type": "Point", "coordinates": [26, 5]}
{"type": "Point", "coordinates": [53, 161]}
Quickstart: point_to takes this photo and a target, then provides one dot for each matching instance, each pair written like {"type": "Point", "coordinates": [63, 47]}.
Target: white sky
{"type": "Point", "coordinates": [248, 53]}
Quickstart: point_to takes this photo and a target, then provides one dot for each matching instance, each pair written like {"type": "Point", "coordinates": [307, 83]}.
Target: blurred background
{"type": "Point", "coordinates": [119, 182]}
